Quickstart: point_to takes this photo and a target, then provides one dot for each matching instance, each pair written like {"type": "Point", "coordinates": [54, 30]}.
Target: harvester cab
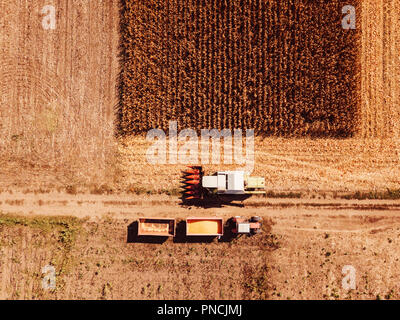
{"type": "Point", "coordinates": [233, 182]}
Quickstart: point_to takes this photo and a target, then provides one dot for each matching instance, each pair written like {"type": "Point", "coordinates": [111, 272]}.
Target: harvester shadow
{"type": "Point", "coordinates": [208, 203]}
{"type": "Point", "coordinates": [200, 203]}
{"type": "Point", "coordinates": [132, 236]}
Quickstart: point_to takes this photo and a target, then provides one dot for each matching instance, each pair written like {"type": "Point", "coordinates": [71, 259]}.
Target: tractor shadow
{"type": "Point", "coordinates": [228, 235]}
{"type": "Point", "coordinates": [132, 236]}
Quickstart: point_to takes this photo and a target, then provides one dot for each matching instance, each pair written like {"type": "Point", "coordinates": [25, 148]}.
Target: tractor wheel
{"type": "Point", "coordinates": [255, 219]}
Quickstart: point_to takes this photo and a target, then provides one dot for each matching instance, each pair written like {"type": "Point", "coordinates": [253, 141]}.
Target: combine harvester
{"type": "Point", "coordinates": [223, 185]}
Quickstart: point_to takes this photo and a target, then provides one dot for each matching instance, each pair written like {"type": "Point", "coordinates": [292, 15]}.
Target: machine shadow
{"type": "Point", "coordinates": [228, 235]}
{"type": "Point", "coordinates": [213, 202]}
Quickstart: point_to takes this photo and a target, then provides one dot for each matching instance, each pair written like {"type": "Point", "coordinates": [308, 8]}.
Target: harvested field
{"type": "Point", "coordinates": [380, 76]}
{"type": "Point", "coordinates": [70, 192]}
{"type": "Point", "coordinates": [280, 67]}
{"type": "Point", "coordinates": [58, 87]}
{"type": "Point", "coordinates": [308, 166]}
{"type": "Point", "coordinates": [91, 264]}
{"type": "Point", "coordinates": [299, 256]}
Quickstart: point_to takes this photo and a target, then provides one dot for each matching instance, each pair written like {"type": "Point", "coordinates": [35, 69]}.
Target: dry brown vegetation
{"type": "Point", "coordinates": [280, 67]}
{"type": "Point", "coordinates": [58, 89]}
{"type": "Point", "coordinates": [91, 264]}
{"type": "Point", "coordinates": [368, 161]}
{"type": "Point", "coordinates": [58, 93]}
{"type": "Point", "coordinates": [304, 165]}
{"type": "Point", "coordinates": [380, 77]}
{"type": "Point", "coordinates": [300, 258]}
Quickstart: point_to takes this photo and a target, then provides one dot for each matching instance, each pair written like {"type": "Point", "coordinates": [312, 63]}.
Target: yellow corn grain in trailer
{"type": "Point", "coordinates": [204, 226]}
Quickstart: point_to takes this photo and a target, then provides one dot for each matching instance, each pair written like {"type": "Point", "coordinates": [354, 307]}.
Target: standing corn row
{"type": "Point", "coordinates": [281, 67]}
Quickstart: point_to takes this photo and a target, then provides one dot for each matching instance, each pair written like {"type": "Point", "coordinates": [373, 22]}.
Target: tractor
{"type": "Point", "coordinates": [250, 227]}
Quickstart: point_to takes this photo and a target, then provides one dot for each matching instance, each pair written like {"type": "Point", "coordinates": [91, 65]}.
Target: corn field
{"type": "Point", "coordinates": [284, 68]}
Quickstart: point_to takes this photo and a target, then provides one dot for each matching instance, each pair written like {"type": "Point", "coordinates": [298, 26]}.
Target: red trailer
{"type": "Point", "coordinates": [205, 226]}
{"type": "Point", "coordinates": [164, 227]}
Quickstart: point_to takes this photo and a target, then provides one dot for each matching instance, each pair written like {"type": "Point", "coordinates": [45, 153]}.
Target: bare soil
{"type": "Point", "coordinates": [96, 253]}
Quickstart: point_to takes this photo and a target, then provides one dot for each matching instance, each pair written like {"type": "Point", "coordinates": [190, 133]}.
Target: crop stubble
{"type": "Point", "coordinates": [381, 68]}
{"type": "Point", "coordinates": [57, 87]}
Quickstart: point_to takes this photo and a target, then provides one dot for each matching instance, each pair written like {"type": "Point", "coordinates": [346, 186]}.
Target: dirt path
{"type": "Point", "coordinates": [311, 241]}
{"type": "Point", "coordinates": [288, 214]}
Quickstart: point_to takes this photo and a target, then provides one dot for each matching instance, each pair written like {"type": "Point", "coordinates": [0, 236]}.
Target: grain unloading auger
{"type": "Point", "coordinates": [234, 185]}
